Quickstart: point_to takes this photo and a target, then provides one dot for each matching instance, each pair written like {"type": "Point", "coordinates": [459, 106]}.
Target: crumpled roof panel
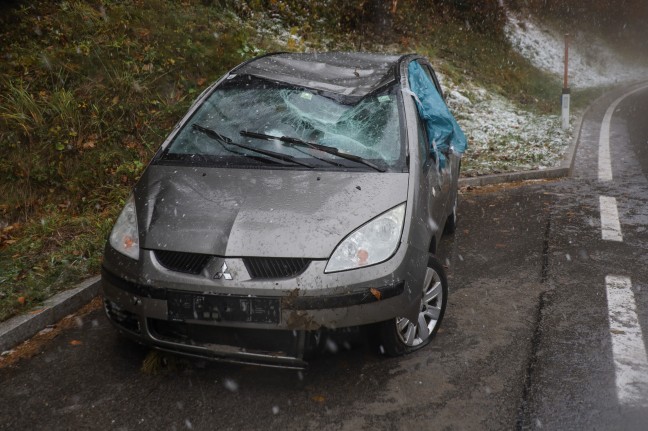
{"type": "Point", "coordinates": [347, 74]}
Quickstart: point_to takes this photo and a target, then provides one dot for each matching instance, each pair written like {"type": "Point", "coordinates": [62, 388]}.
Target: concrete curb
{"type": "Point", "coordinates": [20, 328]}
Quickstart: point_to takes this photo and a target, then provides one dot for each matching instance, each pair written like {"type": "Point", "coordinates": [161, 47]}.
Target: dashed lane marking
{"type": "Point", "coordinates": [610, 225]}
{"type": "Point", "coordinates": [604, 161]}
{"type": "Point", "coordinates": [628, 348]}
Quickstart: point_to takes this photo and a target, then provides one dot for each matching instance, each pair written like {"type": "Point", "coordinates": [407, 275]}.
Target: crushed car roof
{"type": "Point", "coordinates": [348, 74]}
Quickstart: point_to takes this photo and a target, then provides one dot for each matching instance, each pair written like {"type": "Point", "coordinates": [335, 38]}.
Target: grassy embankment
{"type": "Point", "coordinates": [88, 91]}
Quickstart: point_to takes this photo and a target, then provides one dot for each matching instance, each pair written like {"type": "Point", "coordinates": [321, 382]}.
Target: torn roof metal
{"type": "Point", "coordinates": [351, 75]}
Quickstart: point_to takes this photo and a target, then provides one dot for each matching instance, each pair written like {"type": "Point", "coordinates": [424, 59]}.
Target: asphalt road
{"type": "Point", "coordinates": [589, 367]}
{"type": "Point", "coordinates": [530, 339]}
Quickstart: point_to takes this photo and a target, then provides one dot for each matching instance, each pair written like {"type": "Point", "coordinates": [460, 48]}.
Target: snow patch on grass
{"type": "Point", "coordinates": [501, 136]}
{"type": "Point", "coordinates": [505, 138]}
{"type": "Point", "coordinates": [591, 62]}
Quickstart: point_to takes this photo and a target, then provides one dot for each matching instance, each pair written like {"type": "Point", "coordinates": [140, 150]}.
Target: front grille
{"type": "Point", "coordinates": [275, 267]}
{"type": "Point", "coordinates": [191, 263]}
{"type": "Point", "coordinates": [258, 267]}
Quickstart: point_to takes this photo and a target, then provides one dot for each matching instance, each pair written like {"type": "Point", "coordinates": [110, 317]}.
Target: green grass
{"type": "Point", "coordinates": [582, 98]}
{"type": "Point", "coordinates": [50, 255]}
{"type": "Point", "coordinates": [87, 94]}
{"type": "Point", "coordinates": [89, 90]}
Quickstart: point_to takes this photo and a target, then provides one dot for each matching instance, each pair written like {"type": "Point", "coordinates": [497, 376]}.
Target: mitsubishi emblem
{"type": "Point", "coordinates": [223, 273]}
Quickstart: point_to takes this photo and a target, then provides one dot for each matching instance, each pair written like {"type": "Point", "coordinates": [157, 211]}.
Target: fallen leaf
{"type": "Point", "coordinates": [21, 300]}
{"type": "Point", "coordinates": [75, 343]}
{"type": "Point", "coordinates": [35, 345]}
{"type": "Point", "coordinates": [319, 399]}
{"type": "Point", "coordinates": [375, 292]}
{"type": "Point", "coordinates": [500, 245]}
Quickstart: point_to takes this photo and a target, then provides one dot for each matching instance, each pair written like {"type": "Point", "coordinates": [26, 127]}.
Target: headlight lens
{"type": "Point", "coordinates": [372, 243]}
{"type": "Point", "coordinates": [124, 236]}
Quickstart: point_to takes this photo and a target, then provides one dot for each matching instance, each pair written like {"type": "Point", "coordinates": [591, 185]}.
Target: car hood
{"type": "Point", "coordinates": [254, 212]}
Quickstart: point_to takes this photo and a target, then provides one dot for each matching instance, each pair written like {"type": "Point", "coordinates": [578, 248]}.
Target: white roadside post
{"type": "Point", "coordinates": [565, 91]}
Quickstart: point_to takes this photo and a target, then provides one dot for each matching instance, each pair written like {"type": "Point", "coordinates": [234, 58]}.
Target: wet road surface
{"type": "Point", "coordinates": [526, 342]}
{"type": "Point", "coordinates": [88, 376]}
{"type": "Point", "coordinates": [582, 374]}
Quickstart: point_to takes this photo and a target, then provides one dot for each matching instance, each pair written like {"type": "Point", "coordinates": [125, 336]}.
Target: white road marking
{"type": "Point", "coordinates": [628, 348]}
{"type": "Point", "coordinates": [610, 225]}
{"type": "Point", "coordinates": [604, 161]}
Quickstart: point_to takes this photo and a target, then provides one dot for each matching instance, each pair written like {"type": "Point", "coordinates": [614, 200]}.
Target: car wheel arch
{"type": "Point", "coordinates": [432, 249]}
{"type": "Point", "coordinates": [390, 344]}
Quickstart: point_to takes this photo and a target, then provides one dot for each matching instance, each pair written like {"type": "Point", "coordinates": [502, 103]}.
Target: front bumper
{"type": "Point", "coordinates": [276, 334]}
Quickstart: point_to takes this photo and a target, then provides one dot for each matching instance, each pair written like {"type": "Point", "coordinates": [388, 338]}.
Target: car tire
{"type": "Point", "coordinates": [399, 336]}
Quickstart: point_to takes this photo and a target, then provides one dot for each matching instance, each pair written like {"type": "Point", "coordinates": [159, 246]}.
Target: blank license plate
{"type": "Point", "coordinates": [190, 306]}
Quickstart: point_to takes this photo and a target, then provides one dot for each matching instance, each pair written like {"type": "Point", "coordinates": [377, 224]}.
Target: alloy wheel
{"type": "Point", "coordinates": [414, 333]}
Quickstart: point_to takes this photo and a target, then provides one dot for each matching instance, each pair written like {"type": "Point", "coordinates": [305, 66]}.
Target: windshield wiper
{"type": "Point", "coordinates": [299, 142]}
{"type": "Point", "coordinates": [225, 140]}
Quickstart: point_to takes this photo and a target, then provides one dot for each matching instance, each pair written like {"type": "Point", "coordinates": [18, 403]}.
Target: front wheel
{"type": "Point", "coordinates": [400, 336]}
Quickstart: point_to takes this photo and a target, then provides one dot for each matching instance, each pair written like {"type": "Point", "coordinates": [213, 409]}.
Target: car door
{"type": "Point", "coordinates": [431, 177]}
{"type": "Point", "coordinates": [446, 174]}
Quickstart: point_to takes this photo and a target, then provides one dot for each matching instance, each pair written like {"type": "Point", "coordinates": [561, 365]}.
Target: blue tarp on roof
{"type": "Point", "coordinates": [442, 129]}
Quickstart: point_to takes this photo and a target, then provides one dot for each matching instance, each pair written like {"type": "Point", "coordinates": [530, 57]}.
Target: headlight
{"type": "Point", "coordinates": [372, 243]}
{"type": "Point", "coordinates": [124, 236]}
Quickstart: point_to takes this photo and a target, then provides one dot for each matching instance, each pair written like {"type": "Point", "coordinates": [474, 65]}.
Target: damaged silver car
{"type": "Point", "coordinates": [301, 193]}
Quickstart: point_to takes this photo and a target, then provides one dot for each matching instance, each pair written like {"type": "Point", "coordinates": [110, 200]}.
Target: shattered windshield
{"type": "Point", "coordinates": [368, 129]}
